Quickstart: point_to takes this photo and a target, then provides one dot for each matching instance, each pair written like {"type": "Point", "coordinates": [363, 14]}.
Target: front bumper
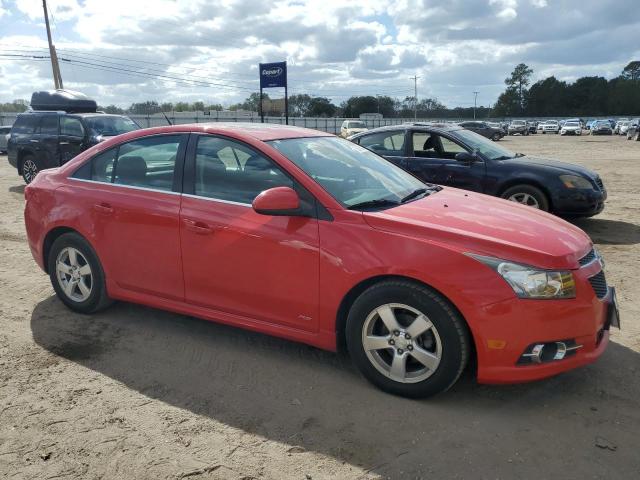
{"type": "Point", "coordinates": [508, 328]}
{"type": "Point", "coordinates": [578, 201]}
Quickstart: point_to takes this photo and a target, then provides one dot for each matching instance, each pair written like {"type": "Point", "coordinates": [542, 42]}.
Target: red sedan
{"type": "Point", "coordinates": [306, 236]}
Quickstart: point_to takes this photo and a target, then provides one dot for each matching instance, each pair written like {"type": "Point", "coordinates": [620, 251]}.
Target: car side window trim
{"type": "Point", "coordinates": [178, 171]}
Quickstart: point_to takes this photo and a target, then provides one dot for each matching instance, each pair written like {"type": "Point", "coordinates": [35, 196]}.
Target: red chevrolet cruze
{"type": "Point", "coordinates": [306, 236]}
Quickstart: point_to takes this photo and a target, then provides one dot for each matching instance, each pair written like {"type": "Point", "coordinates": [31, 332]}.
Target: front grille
{"type": "Point", "coordinates": [599, 183]}
{"type": "Point", "coordinates": [599, 284]}
{"type": "Point", "coordinates": [588, 258]}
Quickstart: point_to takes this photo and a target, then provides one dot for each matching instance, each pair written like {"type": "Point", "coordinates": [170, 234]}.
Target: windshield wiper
{"type": "Point", "coordinates": [377, 203]}
{"type": "Point", "coordinates": [416, 193]}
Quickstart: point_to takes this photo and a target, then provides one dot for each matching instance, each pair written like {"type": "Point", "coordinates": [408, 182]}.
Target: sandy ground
{"type": "Point", "coordinates": [134, 392]}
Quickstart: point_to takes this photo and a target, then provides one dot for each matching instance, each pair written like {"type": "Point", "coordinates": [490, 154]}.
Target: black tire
{"type": "Point", "coordinates": [495, 137]}
{"type": "Point", "coordinates": [526, 133]}
{"type": "Point", "coordinates": [536, 193]}
{"type": "Point", "coordinates": [637, 137]}
{"type": "Point", "coordinates": [97, 298]}
{"type": "Point", "coordinates": [450, 328]}
{"type": "Point", "coordinates": [29, 168]}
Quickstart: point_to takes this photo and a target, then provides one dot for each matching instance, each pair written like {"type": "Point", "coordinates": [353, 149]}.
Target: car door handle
{"type": "Point", "coordinates": [65, 143]}
{"type": "Point", "coordinates": [200, 228]}
{"type": "Point", "coordinates": [103, 208]}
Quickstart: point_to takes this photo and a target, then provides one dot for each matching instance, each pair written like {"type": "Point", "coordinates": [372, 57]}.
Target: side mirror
{"type": "Point", "coordinates": [465, 157]}
{"type": "Point", "coordinates": [278, 201]}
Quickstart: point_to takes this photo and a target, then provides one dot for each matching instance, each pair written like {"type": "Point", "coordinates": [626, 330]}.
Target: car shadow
{"type": "Point", "coordinates": [305, 397]}
{"type": "Point", "coordinates": [609, 232]}
{"type": "Point", "coordinates": [17, 189]}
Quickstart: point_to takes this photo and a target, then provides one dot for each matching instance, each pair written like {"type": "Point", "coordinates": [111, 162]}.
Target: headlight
{"type": "Point", "coordinates": [530, 282]}
{"type": "Point", "coordinates": [575, 181]}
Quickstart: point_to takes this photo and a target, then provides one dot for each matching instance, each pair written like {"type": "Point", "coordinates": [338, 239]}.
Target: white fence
{"type": "Point", "coordinates": [331, 125]}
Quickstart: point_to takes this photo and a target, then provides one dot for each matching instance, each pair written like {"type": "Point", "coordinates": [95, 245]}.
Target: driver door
{"type": "Point", "coordinates": [433, 160]}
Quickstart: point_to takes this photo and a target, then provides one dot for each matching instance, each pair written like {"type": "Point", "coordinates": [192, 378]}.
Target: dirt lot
{"type": "Point", "coordinates": [139, 393]}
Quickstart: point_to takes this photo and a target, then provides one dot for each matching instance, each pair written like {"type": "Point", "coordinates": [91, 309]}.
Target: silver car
{"type": "Point", "coordinates": [4, 138]}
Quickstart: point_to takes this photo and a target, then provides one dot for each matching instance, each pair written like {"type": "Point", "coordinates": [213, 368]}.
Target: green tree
{"type": "Point", "coordinates": [508, 104]}
{"type": "Point", "coordinates": [632, 71]}
{"type": "Point", "coordinates": [113, 109]}
{"type": "Point", "coordinates": [321, 107]}
{"type": "Point", "coordinates": [519, 80]}
{"type": "Point", "coordinates": [145, 108]}
{"type": "Point", "coordinates": [299, 105]}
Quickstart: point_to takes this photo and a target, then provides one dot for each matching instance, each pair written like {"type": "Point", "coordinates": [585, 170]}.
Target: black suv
{"type": "Point", "coordinates": [45, 139]}
{"type": "Point", "coordinates": [484, 129]}
{"type": "Point", "coordinates": [451, 155]}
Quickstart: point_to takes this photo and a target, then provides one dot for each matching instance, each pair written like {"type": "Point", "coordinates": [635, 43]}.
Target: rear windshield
{"type": "Point", "coordinates": [356, 125]}
{"type": "Point", "coordinates": [110, 125]}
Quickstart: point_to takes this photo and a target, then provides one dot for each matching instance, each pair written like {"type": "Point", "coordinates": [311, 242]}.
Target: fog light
{"type": "Point", "coordinates": [538, 353]}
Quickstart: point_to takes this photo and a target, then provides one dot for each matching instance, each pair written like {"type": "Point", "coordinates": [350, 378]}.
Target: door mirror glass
{"type": "Point", "coordinates": [465, 157]}
{"type": "Point", "coordinates": [279, 201]}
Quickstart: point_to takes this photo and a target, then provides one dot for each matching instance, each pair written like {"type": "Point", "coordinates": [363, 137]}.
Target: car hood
{"type": "Point", "coordinates": [476, 223]}
{"type": "Point", "coordinates": [562, 167]}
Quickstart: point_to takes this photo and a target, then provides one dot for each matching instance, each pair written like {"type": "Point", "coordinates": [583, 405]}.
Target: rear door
{"type": "Point", "coordinates": [391, 144]}
{"type": "Point", "coordinates": [132, 195]}
{"type": "Point", "coordinates": [433, 160]}
{"type": "Point", "coordinates": [72, 137]}
{"type": "Point", "coordinates": [47, 145]}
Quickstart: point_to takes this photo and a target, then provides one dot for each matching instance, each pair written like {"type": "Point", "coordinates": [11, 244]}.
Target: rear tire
{"type": "Point", "coordinates": [495, 137]}
{"type": "Point", "coordinates": [527, 195]}
{"type": "Point", "coordinates": [407, 339]}
{"type": "Point", "coordinates": [30, 168]}
{"type": "Point", "coordinates": [77, 275]}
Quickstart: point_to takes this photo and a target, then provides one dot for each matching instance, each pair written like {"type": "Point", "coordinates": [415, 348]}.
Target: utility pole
{"type": "Point", "coordinates": [475, 98]}
{"type": "Point", "coordinates": [55, 66]}
{"type": "Point", "coordinates": [415, 96]}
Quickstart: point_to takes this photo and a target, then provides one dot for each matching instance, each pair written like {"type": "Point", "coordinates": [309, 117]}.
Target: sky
{"type": "Point", "coordinates": [125, 51]}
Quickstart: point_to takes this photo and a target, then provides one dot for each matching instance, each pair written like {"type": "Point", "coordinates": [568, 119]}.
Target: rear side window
{"type": "Point", "coordinates": [71, 126]}
{"type": "Point", "coordinates": [385, 143]}
{"type": "Point", "coordinates": [148, 162]}
{"type": "Point", "coordinates": [49, 125]}
{"type": "Point", "coordinates": [25, 124]}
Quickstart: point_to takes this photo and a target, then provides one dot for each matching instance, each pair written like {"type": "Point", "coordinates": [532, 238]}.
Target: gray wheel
{"type": "Point", "coordinates": [527, 195]}
{"type": "Point", "coordinates": [30, 169]}
{"type": "Point", "coordinates": [74, 275]}
{"type": "Point", "coordinates": [401, 343]}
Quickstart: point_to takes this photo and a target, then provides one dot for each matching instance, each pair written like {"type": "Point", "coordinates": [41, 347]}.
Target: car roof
{"type": "Point", "coordinates": [259, 131]}
{"type": "Point", "coordinates": [434, 127]}
{"type": "Point", "coordinates": [62, 112]}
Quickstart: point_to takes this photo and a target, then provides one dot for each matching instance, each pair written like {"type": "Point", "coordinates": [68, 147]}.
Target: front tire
{"type": "Point", "coordinates": [407, 339]}
{"type": "Point", "coordinates": [527, 195]}
{"type": "Point", "coordinates": [77, 275]}
{"type": "Point", "coordinates": [495, 137]}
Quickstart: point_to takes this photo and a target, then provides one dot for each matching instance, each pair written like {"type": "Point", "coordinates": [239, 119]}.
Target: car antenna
{"type": "Point", "coordinates": [167, 118]}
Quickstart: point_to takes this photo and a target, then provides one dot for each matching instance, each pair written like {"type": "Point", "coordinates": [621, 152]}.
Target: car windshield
{"type": "Point", "coordinates": [571, 124]}
{"type": "Point", "coordinates": [351, 174]}
{"type": "Point", "coordinates": [356, 125]}
{"type": "Point", "coordinates": [110, 125]}
{"type": "Point", "coordinates": [518, 122]}
{"type": "Point", "coordinates": [551, 122]}
{"type": "Point", "coordinates": [488, 149]}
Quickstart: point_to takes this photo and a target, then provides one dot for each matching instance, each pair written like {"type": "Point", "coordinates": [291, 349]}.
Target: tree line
{"type": "Point", "coordinates": [587, 96]}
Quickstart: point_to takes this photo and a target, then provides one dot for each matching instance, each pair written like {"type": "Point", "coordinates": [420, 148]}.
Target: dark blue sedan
{"type": "Point", "coordinates": [447, 154]}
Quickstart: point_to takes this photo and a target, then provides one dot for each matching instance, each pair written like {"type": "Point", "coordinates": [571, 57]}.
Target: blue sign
{"type": "Point", "coordinates": [273, 74]}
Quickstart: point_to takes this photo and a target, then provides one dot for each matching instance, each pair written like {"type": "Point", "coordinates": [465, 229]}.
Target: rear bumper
{"type": "Point", "coordinates": [508, 328]}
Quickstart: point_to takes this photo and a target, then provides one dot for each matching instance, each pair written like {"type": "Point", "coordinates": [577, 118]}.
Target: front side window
{"type": "Point", "coordinates": [71, 127]}
{"type": "Point", "coordinates": [26, 123]}
{"type": "Point", "coordinates": [385, 143]}
{"type": "Point", "coordinates": [431, 145]}
{"type": "Point", "coordinates": [478, 143]}
{"type": "Point", "coordinates": [231, 171]}
{"type": "Point", "coordinates": [349, 173]}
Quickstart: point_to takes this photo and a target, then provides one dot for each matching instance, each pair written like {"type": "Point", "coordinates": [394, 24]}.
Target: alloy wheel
{"type": "Point", "coordinates": [29, 170]}
{"type": "Point", "coordinates": [525, 199]}
{"type": "Point", "coordinates": [401, 343]}
{"type": "Point", "coordinates": [74, 274]}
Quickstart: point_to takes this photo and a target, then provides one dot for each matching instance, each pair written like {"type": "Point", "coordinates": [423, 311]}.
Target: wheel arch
{"type": "Point", "coordinates": [52, 235]}
{"type": "Point", "coordinates": [22, 152]}
{"type": "Point", "coordinates": [526, 181]}
{"type": "Point", "coordinates": [358, 289]}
